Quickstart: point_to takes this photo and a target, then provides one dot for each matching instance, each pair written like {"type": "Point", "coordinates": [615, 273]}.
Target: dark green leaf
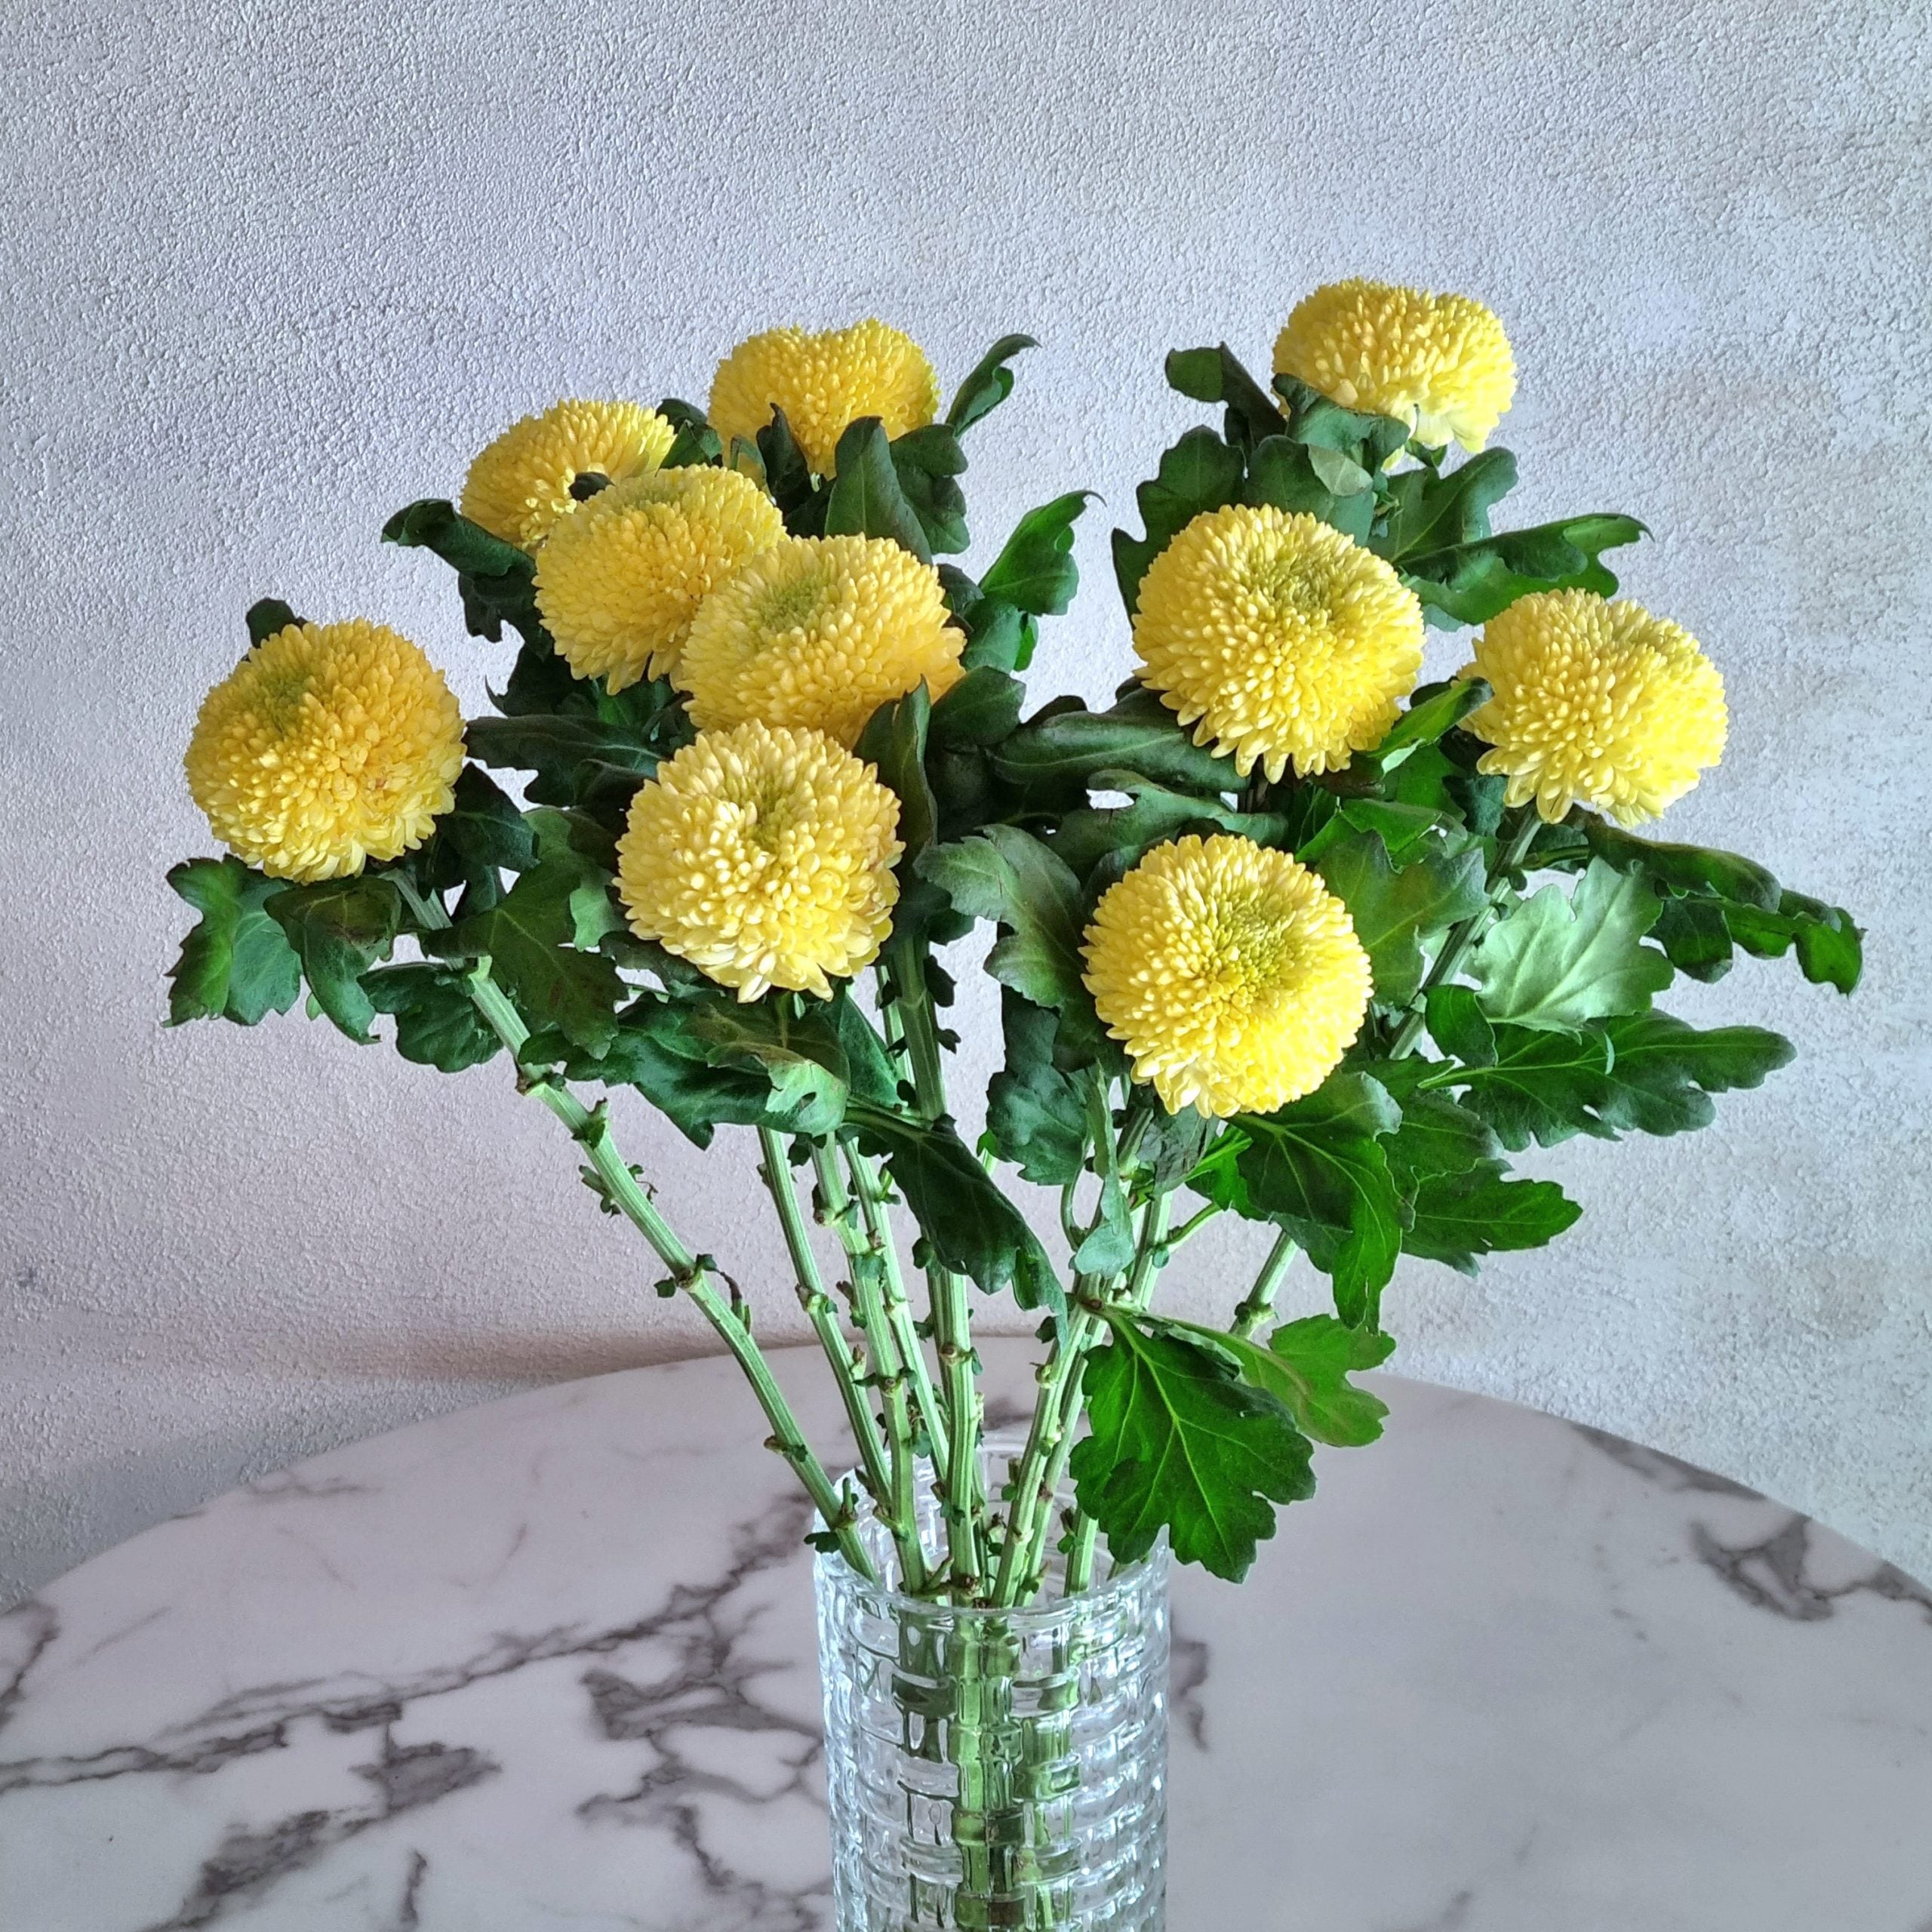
{"type": "Point", "coordinates": [1089, 834]}
{"type": "Point", "coordinates": [482, 832]}
{"type": "Point", "coordinates": [553, 748]}
{"type": "Point", "coordinates": [1830, 945]}
{"type": "Point", "coordinates": [1694, 936]}
{"type": "Point", "coordinates": [530, 941]}
{"type": "Point", "coordinates": [436, 1021]}
{"type": "Point", "coordinates": [1006, 876]}
{"type": "Point", "coordinates": [1433, 711]}
{"type": "Point", "coordinates": [1180, 1443]}
{"type": "Point", "coordinates": [1470, 583]}
{"type": "Point", "coordinates": [1438, 1137]}
{"type": "Point", "coordinates": [267, 617]}
{"type": "Point", "coordinates": [1681, 868]}
{"type": "Point", "coordinates": [1526, 1085]}
{"type": "Point", "coordinates": [1395, 912]}
{"type": "Point", "coordinates": [1457, 1216]}
{"type": "Point", "coordinates": [1305, 1367]}
{"type": "Point", "coordinates": [236, 963]}
{"type": "Point", "coordinates": [1661, 1070]}
{"type": "Point", "coordinates": [1199, 473]}
{"type": "Point", "coordinates": [339, 929]}
{"type": "Point", "coordinates": [973, 1229]}
{"type": "Point", "coordinates": [989, 385]}
{"type": "Point", "coordinates": [496, 580]}
{"type": "Point", "coordinates": [866, 500]}
{"type": "Point", "coordinates": [894, 739]}
{"type": "Point", "coordinates": [697, 443]}
{"type": "Point", "coordinates": [1555, 960]}
{"type": "Point", "coordinates": [1036, 570]}
{"type": "Point", "coordinates": [1138, 734]}
{"type": "Point", "coordinates": [1431, 511]}
{"type": "Point", "coordinates": [981, 710]}
{"type": "Point", "coordinates": [1281, 472]}
{"type": "Point", "coordinates": [927, 461]}
{"type": "Point", "coordinates": [788, 477]}
{"type": "Point", "coordinates": [1035, 1115]}
{"type": "Point", "coordinates": [1217, 375]}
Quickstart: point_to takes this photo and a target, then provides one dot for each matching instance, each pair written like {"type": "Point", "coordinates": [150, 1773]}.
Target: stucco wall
{"type": "Point", "coordinates": [269, 272]}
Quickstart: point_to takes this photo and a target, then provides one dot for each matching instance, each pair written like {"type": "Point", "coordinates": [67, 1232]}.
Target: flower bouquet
{"type": "Point", "coordinates": [1282, 933]}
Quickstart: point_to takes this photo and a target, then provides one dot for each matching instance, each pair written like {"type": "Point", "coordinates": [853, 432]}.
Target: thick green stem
{"type": "Point", "coordinates": [621, 1187]}
{"type": "Point", "coordinates": [898, 1498]}
{"type": "Point", "coordinates": [1462, 937]}
{"type": "Point", "coordinates": [1254, 1307]}
{"type": "Point", "coordinates": [823, 1313]}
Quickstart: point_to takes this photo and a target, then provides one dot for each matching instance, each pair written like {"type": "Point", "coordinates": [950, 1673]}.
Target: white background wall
{"type": "Point", "coordinates": [269, 272]}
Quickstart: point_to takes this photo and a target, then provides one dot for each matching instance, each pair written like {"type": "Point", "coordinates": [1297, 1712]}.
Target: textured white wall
{"type": "Point", "coordinates": [269, 273]}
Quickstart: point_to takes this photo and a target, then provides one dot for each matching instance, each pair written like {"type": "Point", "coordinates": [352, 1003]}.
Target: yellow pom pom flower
{"type": "Point", "coordinates": [1596, 703]}
{"type": "Point", "coordinates": [519, 487]}
{"type": "Point", "coordinates": [824, 384]}
{"type": "Point", "coordinates": [1284, 639]}
{"type": "Point", "coordinates": [819, 632]}
{"type": "Point", "coordinates": [328, 745]}
{"type": "Point", "coordinates": [765, 857]}
{"type": "Point", "coordinates": [1231, 974]}
{"type": "Point", "coordinates": [1440, 363]}
{"type": "Point", "coordinates": [618, 583]}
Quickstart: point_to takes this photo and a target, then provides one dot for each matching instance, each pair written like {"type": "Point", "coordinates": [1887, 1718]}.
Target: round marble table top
{"type": "Point", "coordinates": [549, 1664]}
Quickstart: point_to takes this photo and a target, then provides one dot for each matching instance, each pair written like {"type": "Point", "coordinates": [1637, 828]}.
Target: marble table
{"type": "Point", "coordinates": [547, 1666]}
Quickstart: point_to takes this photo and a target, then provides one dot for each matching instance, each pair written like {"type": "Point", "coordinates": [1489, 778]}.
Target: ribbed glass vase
{"type": "Point", "coordinates": [995, 1768]}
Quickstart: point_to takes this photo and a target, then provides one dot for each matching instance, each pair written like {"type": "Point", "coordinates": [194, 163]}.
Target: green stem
{"type": "Point", "coordinates": [898, 1496]}
{"type": "Point", "coordinates": [1253, 1309]}
{"type": "Point", "coordinates": [823, 1313]}
{"type": "Point", "coordinates": [1462, 935]}
{"type": "Point", "coordinates": [591, 1130]}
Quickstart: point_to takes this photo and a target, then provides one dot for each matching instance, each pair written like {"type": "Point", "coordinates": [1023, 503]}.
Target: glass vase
{"type": "Point", "coordinates": [995, 1768]}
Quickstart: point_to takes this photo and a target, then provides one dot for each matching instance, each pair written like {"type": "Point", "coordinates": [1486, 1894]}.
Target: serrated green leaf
{"type": "Point", "coordinates": [236, 962]}
{"type": "Point", "coordinates": [1433, 711]}
{"type": "Point", "coordinates": [1525, 1084]}
{"type": "Point", "coordinates": [1431, 511]}
{"type": "Point", "coordinates": [554, 747]}
{"type": "Point", "coordinates": [1830, 944]}
{"type": "Point", "coordinates": [1036, 1115]}
{"type": "Point", "coordinates": [1139, 734]}
{"type": "Point", "coordinates": [980, 710]}
{"type": "Point", "coordinates": [1035, 571]}
{"type": "Point", "coordinates": [1089, 834]}
{"type": "Point", "coordinates": [973, 1228]}
{"type": "Point", "coordinates": [339, 929]}
{"type": "Point", "coordinates": [1395, 912]}
{"type": "Point", "coordinates": [927, 461]}
{"type": "Point", "coordinates": [1437, 1135]}
{"type": "Point", "coordinates": [894, 739]}
{"type": "Point", "coordinates": [989, 385]}
{"type": "Point", "coordinates": [1179, 1442]}
{"type": "Point", "coordinates": [1469, 583]}
{"type": "Point", "coordinates": [1199, 473]}
{"type": "Point", "coordinates": [1556, 960]}
{"type": "Point", "coordinates": [1680, 868]}
{"type": "Point", "coordinates": [866, 499]}
{"type": "Point", "coordinates": [496, 580]}
{"type": "Point", "coordinates": [1456, 1216]}
{"type": "Point", "coordinates": [1661, 1070]}
{"type": "Point", "coordinates": [1006, 875]}
{"type": "Point", "coordinates": [1217, 375]}
{"type": "Point", "coordinates": [1305, 1367]}
{"type": "Point", "coordinates": [436, 1021]}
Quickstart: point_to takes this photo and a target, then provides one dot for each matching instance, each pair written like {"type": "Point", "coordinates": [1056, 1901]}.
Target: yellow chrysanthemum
{"type": "Point", "coordinates": [328, 745]}
{"type": "Point", "coordinates": [1282, 636]}
{"type": "Point", "coordinates": [520, 486]}
{"type": "Point", "coordinates": [1231, 974]}
{"type": "Point", "coordinates": [1597, 703]}
{"type": "Point", "coordinates": [1441, 363]}
{"type": "Point", "coordinates": [765, 857]}
{"type": "Point", "coordinates": [819, 632]}
{"type": "Point", "coordinates": [824, 384]}
{"type": "Point", "coordinates": [618, 583]}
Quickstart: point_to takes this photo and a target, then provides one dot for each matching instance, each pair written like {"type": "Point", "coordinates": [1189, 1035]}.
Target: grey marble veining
{"type": "Point", "coordinates": [548, 1665]}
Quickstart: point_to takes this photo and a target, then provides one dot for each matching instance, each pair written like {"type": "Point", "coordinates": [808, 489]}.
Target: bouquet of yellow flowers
{"type": "Point", "coordinates": [1269, 936]}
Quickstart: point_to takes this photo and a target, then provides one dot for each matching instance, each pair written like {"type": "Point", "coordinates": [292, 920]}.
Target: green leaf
{"type": "Point", "coordinates": [1036, 1115]}
{"type": "Point", "coordinates": [1830, 946]}
{"type": "Point", "coordinates": [1694, 936]}
{"type": "Point", "coordinates": [894, 739]}
{"type": "Point", "coordinates": [1006, 876]}
{"type": "Point", "coordinates": [1457, 1216]}
{"type": "Point", "coordinates": [339, 929]}
{"type": "Point", "coordinates": [1432, 712]}
{"type": "Point", "coordinates": [697, 443]}
{"type": "Point", "coordinates": [1681, 868]}
{"type": "Point", "coordinates": [1179, 1442]}
{"type": "Point", "coordinates": [1662, 1070]}
{"type": "Point", "coordinates": [1138, 734]}
{"type": "Point", "coordinates": [973, 1228]}
{"type": "Point", "coordinates": [555, 749]}
{"type": "Point", "coordinates": [800, 1055]}
{"type": "Point", "coordinates": [527, 939]}
{"type": "Point", "coordinates": [1088, 834]}
{"type": "Point", "coordinates": [1340, 476]}
{"type": "Point", "coordinates": [1281, 473]}
{"type": "Point", "coordinates": [1555, 961]}
{"type": "Point", "coordinates": [1525, 1084]}
{"type": "Point", "coordinates": [788, 477]}
{"type": "Point", "coordinates": [990, 384]}
{"type": "Point", "coordinates": [1438, 1137]}
{"type": "Point", "coordinates": [1305, 1367]}
{"type": "Point", "coordinates": [981, 710]}
{"type": "Point", "coordinates": [1199, 473]}
{"type": "Point", "coordinates": [1035, 571]}
{"type": "Point", "coordinates": [236, 963]}
{"type": "Point", "coordinates": [866, 500]}
{"type": "Point", "coordinates": [266, 616]}
{"type": "Point", "coordinates": [1470, 583]}
{"type": "Point", "coordinates": [1395, 912]}
{"type": "Point", "coordinates": [1317, 1168]}
{"type": "Point", "coordinates": [927, 463]}
{"type": "Point", "coordinates": [1432, 511]}
{"type": "Point", "coordinates": [1217, 375]}
{"type": "Point", "coordinates": [436, 1021]}
{"type": "Point", "coordinates": [496, 580]}
{"type": "Point", "coordinates": [482, 833]}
